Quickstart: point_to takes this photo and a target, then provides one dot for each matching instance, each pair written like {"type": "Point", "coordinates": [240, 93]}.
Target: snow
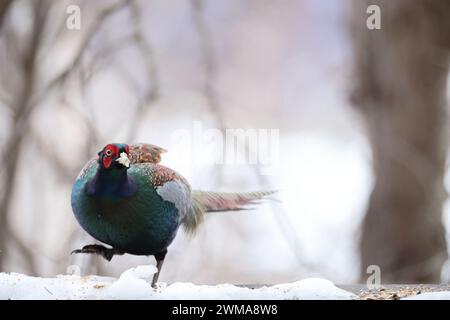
{"type": "Point", "coordinates": [135, 284]}
{"type": "Point", "coordinates": [443, 295]}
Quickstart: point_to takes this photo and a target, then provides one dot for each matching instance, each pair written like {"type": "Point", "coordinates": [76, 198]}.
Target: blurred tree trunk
{"type": "Point", "coordinates": [4, 5]}
{"type": "Point", "coordinates": [401, 77]}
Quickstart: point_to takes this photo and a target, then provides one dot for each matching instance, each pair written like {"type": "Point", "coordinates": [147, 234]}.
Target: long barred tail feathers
{"type": "Point", "coordinates": [206, 201]}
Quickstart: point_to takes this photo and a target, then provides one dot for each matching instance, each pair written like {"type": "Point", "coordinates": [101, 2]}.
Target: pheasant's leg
{"type": "Point", "coordinates": [105, 252]}
{"type": "Point", "coordinates": [159, 262]}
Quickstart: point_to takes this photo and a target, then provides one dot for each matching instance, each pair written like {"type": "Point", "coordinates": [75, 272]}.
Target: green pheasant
{"type": "Point", "coordinates": [126, 199]}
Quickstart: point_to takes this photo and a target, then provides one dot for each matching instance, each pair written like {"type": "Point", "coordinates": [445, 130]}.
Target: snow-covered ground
{"type": "Point", "coordinates": [444, 295]}
{"type": "Point", "coordinates": [134, 284]}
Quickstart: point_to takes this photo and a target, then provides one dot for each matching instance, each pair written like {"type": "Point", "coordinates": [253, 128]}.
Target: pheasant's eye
{"type": "Point", "coordinates": [108, 152]}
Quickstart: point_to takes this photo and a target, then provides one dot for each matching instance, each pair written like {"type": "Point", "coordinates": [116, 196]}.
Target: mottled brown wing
{"type": "Point", "coordinates": [144, 152]}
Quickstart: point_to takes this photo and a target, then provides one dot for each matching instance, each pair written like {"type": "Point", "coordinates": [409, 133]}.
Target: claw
{"type": "Point", "coordinates": [106, 253]}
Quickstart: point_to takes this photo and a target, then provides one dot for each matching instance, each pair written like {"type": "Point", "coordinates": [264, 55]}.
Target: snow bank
{"type": "Point", "coordinates": [135, 284]}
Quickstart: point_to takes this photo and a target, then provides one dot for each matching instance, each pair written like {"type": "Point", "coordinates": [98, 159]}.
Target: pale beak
{"type": "Point", "coordinates": [124, 160]}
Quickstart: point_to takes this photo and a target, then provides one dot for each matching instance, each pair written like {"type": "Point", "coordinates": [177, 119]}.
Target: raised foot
{"type": "Point", "coordinates": [107, 253]}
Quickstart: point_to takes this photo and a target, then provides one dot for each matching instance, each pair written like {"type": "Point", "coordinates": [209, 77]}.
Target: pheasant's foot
{"type": "Point", "coordinates": [103, 251]}
{"type": "Point", "coordinates": [159, 263]}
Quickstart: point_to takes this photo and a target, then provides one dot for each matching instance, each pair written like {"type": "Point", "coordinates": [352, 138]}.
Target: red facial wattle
{"type": "Point", "coordinates": [110, 153]}
{"type": "Point", "coordinates": [107, 162]}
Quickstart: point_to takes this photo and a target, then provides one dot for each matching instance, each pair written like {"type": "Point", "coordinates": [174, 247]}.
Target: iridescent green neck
{"type": "Point", "coordinates": [111, 183]}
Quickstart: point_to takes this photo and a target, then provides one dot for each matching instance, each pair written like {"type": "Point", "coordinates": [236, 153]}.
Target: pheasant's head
{"type": "Point", "coordinates": [114, 156]}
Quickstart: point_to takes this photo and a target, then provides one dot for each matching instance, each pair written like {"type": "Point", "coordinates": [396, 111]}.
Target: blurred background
{"type": "Point", "coordinates": [362, 119]}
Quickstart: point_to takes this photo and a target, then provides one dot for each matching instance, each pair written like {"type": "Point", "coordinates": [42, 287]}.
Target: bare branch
{"type": "Point", "coordinates": [85, 43]}
{"type": "Point", "coordinates": [102, 58]}
{"type": "Point", "coordinates": [210, 67]}
{"type": "Point", "coordinates": [152, 92]}
{"type": "Point", "coordinates": [63, 171]}
{"type": "Point", "coordinates": [22, 111]}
